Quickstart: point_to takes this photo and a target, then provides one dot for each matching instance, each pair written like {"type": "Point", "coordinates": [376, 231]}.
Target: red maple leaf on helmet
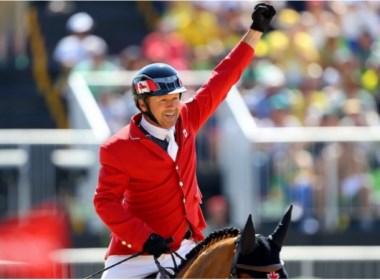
{"type": "Point", "coordinates": [146, 86]}
{"type": "Point", "coordinates": [273, 275]}
{"type": "Point", "coordinates": [142, 86]}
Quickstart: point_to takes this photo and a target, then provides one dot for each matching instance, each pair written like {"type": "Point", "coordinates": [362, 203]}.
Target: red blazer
{"type": "Point", "coordinates": [141, 190]}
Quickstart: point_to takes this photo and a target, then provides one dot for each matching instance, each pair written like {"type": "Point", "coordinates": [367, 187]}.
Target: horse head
{"type": "Point", "coordinates": [258, 256]}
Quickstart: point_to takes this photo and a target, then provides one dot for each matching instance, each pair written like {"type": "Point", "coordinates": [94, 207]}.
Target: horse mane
{"type": "Point", "coordinates": [211, 239]}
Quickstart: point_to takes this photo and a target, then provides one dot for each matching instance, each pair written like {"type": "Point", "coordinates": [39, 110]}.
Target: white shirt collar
{"type": "Point", "coordinates": [153, 130]}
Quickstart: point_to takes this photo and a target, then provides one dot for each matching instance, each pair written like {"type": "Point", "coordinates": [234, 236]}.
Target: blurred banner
{"type": "Point", "coordinates": [27, 241]}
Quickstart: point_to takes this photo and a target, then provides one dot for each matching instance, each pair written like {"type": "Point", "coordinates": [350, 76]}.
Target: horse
{"type": "Point", "coordinates": [227, 253]}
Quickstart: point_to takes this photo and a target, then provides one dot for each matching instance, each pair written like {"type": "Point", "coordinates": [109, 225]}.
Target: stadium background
{"type": "Point", "coordinates": [317, 66]}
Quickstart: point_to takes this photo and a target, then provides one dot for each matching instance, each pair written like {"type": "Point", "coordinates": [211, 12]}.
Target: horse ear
{"type": "Point", "coordinates": [247, 239]}
{"type": "Point", "coordinates": [279, 234]}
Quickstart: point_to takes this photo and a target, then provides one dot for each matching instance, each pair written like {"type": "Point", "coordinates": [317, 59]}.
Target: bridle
{"type": "Point", "coordinates": [243, 246]}
{"type": "Point", "coordinates": [235, 266]}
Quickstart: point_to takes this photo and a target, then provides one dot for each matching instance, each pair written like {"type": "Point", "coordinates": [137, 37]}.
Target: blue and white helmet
{"type": "Point", "coordinates": [156, 80]}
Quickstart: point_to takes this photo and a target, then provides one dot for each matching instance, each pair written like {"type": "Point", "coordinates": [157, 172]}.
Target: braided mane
{"type": "Point", "coordinates": [211, 239]}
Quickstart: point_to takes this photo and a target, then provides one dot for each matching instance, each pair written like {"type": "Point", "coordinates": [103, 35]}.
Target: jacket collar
{"type": "Point", "coordinates": [155, 131]}
{"type": "Point", "coordinates": [135, 133]}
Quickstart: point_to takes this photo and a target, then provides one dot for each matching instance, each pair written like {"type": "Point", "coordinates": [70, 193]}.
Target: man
{"type": "Point", "coordinates": [147, 189]}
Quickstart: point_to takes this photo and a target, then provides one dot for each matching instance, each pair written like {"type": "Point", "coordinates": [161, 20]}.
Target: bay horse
{"type": "Point", "coordinates": [226, 253]}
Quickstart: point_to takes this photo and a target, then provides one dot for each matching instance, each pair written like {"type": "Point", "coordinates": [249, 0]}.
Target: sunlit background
{"type": "Point", "coordinates": [301, 126]}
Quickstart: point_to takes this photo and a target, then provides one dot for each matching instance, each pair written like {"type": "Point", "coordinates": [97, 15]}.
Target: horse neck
{"type": "Point", "coordinates": [213, 261]}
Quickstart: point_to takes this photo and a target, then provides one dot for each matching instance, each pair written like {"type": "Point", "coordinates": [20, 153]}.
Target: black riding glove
{"type": "Point", "coordinates": [155, 245]}
{"type": "Point", "coordinates": [262, 16]}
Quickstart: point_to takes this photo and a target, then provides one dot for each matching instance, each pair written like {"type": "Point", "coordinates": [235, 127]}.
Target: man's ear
{"type": "Point", "coordinates": [142, 105]}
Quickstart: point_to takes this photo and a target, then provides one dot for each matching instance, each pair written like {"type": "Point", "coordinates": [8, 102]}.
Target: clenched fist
{"type": "Point", "coordinates": [262, 16]}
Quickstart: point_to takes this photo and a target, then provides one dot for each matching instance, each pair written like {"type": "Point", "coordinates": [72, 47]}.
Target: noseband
{"type": "Point", "coordinates": [235, 266]}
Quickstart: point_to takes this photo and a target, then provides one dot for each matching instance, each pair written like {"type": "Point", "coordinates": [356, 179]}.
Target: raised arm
{"type": "Point", "coordinates": [261, 18]}
{"type": "Point", "coordinates": [229, 71]}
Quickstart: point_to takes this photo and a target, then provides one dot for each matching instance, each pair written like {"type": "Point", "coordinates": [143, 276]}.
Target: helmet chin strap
{"type": "Point", "coordinates": [149, 113]}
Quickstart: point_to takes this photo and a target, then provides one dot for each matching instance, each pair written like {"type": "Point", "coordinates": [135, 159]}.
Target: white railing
{"type": "Point", "coordinates": [35, 152]}
{"type": "Point", "coordinates": [83, 109]}
{"type": "Point", "coordinates": [240, 139]}
{"type": "Point", "coordinates": [300, 261]}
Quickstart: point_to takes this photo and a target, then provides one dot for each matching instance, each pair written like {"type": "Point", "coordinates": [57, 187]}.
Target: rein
{"type": "Point", "coordinates": [100, 271]}
{"type": "Point", "coordinates": [160, 268]}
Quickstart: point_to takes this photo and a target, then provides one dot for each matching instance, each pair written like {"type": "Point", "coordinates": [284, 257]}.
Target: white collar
{"type": "Point", "coordinates": [155, 131]}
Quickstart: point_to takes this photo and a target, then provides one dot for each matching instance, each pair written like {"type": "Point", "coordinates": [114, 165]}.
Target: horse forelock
{"type": "Point", "coordinates": [211, 239]}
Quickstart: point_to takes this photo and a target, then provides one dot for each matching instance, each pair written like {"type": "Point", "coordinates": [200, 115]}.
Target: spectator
{"type": "Point", "coordinates": [315, 20]}
{"type": "Point", "coordinates": [269, 100]}
{"type": "Point", "coordinates": [109, 98]}
{"type": "Point", "coordinates": [363, 48]}
{"type": "Point", "coordinates": [217, 214]}
{"type": "Point", "coordinates": [355, 183]}
{"type": "Point", "coordinates": [113, 107]}
{"type": "Point", "coordinates": [96, 49]}
{"type": "Point", "coordinates": [132, 58]}
{"type": "Point", "coordinates": [168, 46]}
{"type": "Point", "coordinates": [353, 113]}
{"type": "Point", "coordinates": [302, 188]}
{"type": "Point", "coordinates": [309, 101]}
{"type": "Point", "coordinates": [13, 23]}
{"type": "Point", "coordinates": [60, 8]}
{"type": "Point", "coordinates": [194, 22]}
{"type": "Point", "coordinates": [71, 50]}
{"type": "Point", "coordinates": [355, 17]}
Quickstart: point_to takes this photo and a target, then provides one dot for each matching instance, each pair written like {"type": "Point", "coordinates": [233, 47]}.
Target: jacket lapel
{"type": "Point", "coordinates": [136, 134]}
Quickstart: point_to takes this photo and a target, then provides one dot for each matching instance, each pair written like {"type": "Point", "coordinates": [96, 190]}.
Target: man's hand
{"type": "Point", "coordinates": [262, 16]}
{"type": "Point", "coordinates": [155, 245]}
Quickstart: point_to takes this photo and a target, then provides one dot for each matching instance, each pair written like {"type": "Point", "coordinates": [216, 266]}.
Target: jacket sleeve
{"type": "Point", "coordinates": [222, 78]}
{"type": "Point", "coordinates": [113, 181]}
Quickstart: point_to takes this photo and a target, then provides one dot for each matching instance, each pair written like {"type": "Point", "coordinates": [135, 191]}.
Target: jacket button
{"type": "Point", "coordinates": [181, 184]}
{"type": "Point", "coordinates": [123, 242]}
{"type": "Point", "coordinates": [184, 200]}
{"type": "Point", "coordinates": [176, 167]}
{"type": "Point", "coordinates": [129, 246]}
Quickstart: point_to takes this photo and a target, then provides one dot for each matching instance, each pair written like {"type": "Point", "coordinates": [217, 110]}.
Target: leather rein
{"type": "Point", "coordinates": [164, 273]}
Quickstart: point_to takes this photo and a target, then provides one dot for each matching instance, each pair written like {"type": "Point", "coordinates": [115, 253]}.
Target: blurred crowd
{"type": "Point", "coordinates": [318, 65]}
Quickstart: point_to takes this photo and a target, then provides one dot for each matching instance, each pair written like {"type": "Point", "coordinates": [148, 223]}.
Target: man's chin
{"type": "Point", "coordinates": [168, 124]}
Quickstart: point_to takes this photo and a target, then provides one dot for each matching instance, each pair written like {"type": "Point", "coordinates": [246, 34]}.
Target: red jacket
{"type": "Point", "coordinates": [141, 190]}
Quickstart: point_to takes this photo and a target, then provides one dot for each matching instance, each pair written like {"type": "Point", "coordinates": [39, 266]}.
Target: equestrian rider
{"type": "Point", "coordinates": [147, 190]}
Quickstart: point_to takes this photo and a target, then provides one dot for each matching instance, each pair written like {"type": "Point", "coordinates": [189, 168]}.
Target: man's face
{"type": "Point", "coordinates": [164, 108]}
